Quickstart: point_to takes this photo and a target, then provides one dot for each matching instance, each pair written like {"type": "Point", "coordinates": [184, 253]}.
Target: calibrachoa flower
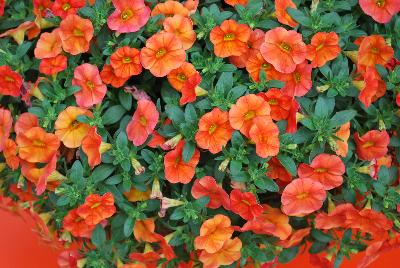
{"type": "Point", "coordinates": [6, 123]}
{"type": "Point", "coordinates": [253, 44]}
{"type": "Point", "coordinates": [97, 208]}
{"type": "Point", "coordinates": [265, 134]}
{"type": "Point", "coordinates": [169, 9]}
{"type": "Point", "coordinates": [93, 147]}
{"type": "Point", "coordinates": [10, 82]}
{"type": "Point", "coordinates": [51, 66]}
{"type": "Point", "coordinates": [228, 254]}
{"type": "Point", "coordinates": [374, 50]}
{"type": "Point", "coordinates": [207, 186]}
{"type": "Point", "coordinates": [256, 63]}
{"type": "Point", "coordinates": [372, 145]}
{"type": "Point", "coordinates": [279, 103]}
{"type": "Point", "coordinates": [245, 204]}
{"type": "Point", "coordinates": [343, 135]}
{"type": "Point", "coordinates": [125, 62]}
{"type": "Point", "coordinates": [76, 225]}
{"type": "Point", "coordinates": [48, 45]}
{"type": "Point", "coordinates": [381, 11]}
{"type": "Point", "coordinates": [182, 27]}
{"type": "Point", "coordinates": [178, 77]}
{"type": "Point", "coordinates": [323, 48]}
{"type": "Point", "coordinates": [63, 8]}
{"type": "Point", "coordinates": [108, 76]}
{"type": "Point", "coordinates": [281, 13]}
{"type": "Point", "coordinates": [129, 16]}
{"type": "Point", "coordinates": [299, 82]}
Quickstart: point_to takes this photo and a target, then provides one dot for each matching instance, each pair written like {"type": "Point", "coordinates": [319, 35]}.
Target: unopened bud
{"type": "Point", "coordinates": [104, 147]}
{"type": "Point", "coordinates": [322, 89]}
{"type": "Point", "coordinates": [171, 143]}
{"type": "Point", "coordinates": [139, 169]}
{"type": "Point", "coordinates": [222, 167]}
{"type": "Point", "coordinates": [353, 55]}
{"type": "Point", "coordinates": [200, 91]}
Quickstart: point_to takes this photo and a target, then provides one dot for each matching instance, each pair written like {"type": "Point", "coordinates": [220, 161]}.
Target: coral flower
{"type": "Point", "coordinates": [207, 186]}
{"type": "Point", "coordinates": [246, 109]}
{"type": "Point", "coordinates": [295, 239]}
{"type": "Point", "coordinates": [143, 122]}
{"type": "Point", "coordinates": [25, 122]}
{"type": "Point", "coordinates": [324, 168]}
{"type": "Point", "coordinates": [302, 197]}
{"type": "Point", "coordinates": [93, 147]}
{"type": "Point", "coordinates": [229, 253]}
{"type": "Point", "coordinates": [213, 233]}
{"type": "Point", "coordinates": [255, 63]}
{"type": "Point", "coordinates": [214, 131]}
{"type": "Point", "coordinates": [63, 8]}
{"type": "Point", "coordinates": [278, 102]}
{"type": "Point", "coordinates": [126, 62]}
{"type": "Point", "coordinates": [169, 9]}
{"type": "Point", "coordinates": [10, 82]}
{"type": "Point", "coordinates": [10, 152]}
{"type": "Point", "coordinates": [178, 77]}
{"type": "Point", "coordinates": [373, 87]}
{"type": "Point", "coordinates": [372, 145]}
{"type": "Point", "coordinates": [182, 27]}
{"type": "Point", "coordinates": [18, 34]}
{"type": "Point", "coordinates": [275, 217]}
{"type": "Point", "coordinates": [92, 91]}
{"type": "Point", "coordinates": [299, 82]}
{"type": "Point", "coordinates": [370, 221]}
{"type": "Point", "coordinates": [283, 49]}
{"type": "Point", "coordinates": [191, 89]}
{"type": "Point", "coordinates": [323, 48]}
{"type": "Point", "coordinates": [108, 76]}
{"type": "Point", "coordinates": [343, 134]}
{"type": "Point", "coordinates": [191, 5]}
{"type": "Point", "coordinates": [281, 13]}
{"type": "Point", "coordinates": [336, 218]}
{"type": "Point", "coordinates": [97, 208]}
{"type": "Point", "coordinates": [50, 66]}
{"type": "Point", "coordinates": [381, 11]}
{"type": "Point", "coordinates": [135, 195]}
{"type": "Point", "coordinates": [6, 122]}
{"type": "Point", "coordinates": [35, 145]}
{"type": "Point", "coordinates": [176, 169]}
{"type": "Point", "coordinates": [40, 7]}
{"type": "Point", "coordinates": [230, 39]}
{"type": "Point", "coordinates": [163, 53]}
{"type": "Point", "coordinates": [75, 33]}
{"type": "Point", "coordinates": [48, 45]}
{"type": "Point", "coordinates": [374, 50]}
{"type": "Point", "coordinates": [76, 225]}
{"type": "Point", "coordinates": [265, 134]}
{"type": "Point", "coordinates": [236, 2]}
{"type": "Point", "coordinates": [245, 204]}
{"type": "Point", "coordinates": [129, 16]}
{"type": "Point", "coordinates": [277, 171]}
{"type": "Point", "coordinates": [255, 41]}
{"type": "Point", "coordinates": [70, 131]}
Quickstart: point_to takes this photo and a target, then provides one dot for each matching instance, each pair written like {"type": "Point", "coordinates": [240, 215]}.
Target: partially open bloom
{"type": "Point", "coordinates": [277, 171]}
{"type": "Point", "coordinates": [178, 77]}
{"type": "Point", "coordinates": [182, 27]}
{"type": "Point", "coordinates": [246, 109]}
{"type": "Point", "coordinates": [97, 208]}
{"type": "Point", "coordinates": [37, 146]}
{"type": "Point", "coordinates": [229, 253]}
{"type": "Point", "coordinates": [25, 122]}
{"type": "Point", "coordinates": [283, 49]}
{"type": "Point", "coordinates": [381, 11]}
{"type": "Point", "coordinates": [279, 103]}
{"type": "Point", "coordinates": [126, 62]}
{"type": "Point", "coordinates": [253, 44]}
{"type": "Point", "coordinates": [265, 134]}
{"type": "Point", "coordinates": [75, 33]}
{"type": "Point", "coordinates": [108, 76]}
{"type": "Point", "coordinates": [236, 2]}
{"type": "Point", "coordinates": [10, 82]}
{"type": "Point", "coordinates": [10, 151]}
{"type": "Point", "coordinates": [169, 9]}
{"type": "Point", "coordinates": [18, 34]}
{"type": "Point", "coordinates": [374, 50]}
{"type": "Point", "coordinates": [295, 238]}
{"type": "Point", "coordinates": [50, 66]}
{"type": "Point", "coordinates": [207, 186]}
{"type": "Point", "coordinates": [245, 204]}
{"type": "Point", "coordinates": [163, 53]}
{"type": "Point", "coordinates": [230, 39]}
{"type": "Point", "coordinates": [372, 145]}
{"type": "Point", "coordinates": [93, 147]}
{"type": "Point", "coordinates": [76, 225]}
{"type": "Point", "coordinates": [48, 45]}
{"type": "Point", "coordinates": [255, 63]}
{"type": "Point", "coordinates": [281, 13]}
{"type": "Point", "coordinates": [372, 88]}
{"type": "Point", "coordinates": [92, 92]}
{"type": "Point", "coordinates": [129, 16]}
{"type": "Point", "coordinates": [302, 197]}
{"type": "Point", "coordinates": [63, 8]}
{"type": "Point", "coordinates": [41, 6]}
{"type": "Point", "coordinates": [324, 168]}
{"type": "Point", "coordinates": [176, 169]}
{"type": "Point", "coordinates": [214, 131]}
{"type": "Point", "coordinates": [298, 82]}
{"type": "Point", "coordinates": [67, 127]}
{"type": "Point", "coordinates": [143, 122]}
{"type": "Point", "coordinates": [323, 48]}
{"type": "Point", "coordinates": [343, 134]}
{"type": "Point", "coordinates": [6, 122]}
{"type": "Point", "coordinates": [191, 89]}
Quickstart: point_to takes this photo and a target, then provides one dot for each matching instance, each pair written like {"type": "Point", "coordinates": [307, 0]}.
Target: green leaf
{"type": "Point", "coordinates": [76, 171]}
{"type": "Point", "coordinates": [102, 172]}
{"type": "Point", "coordinates": [125, 99]}
{"type": "Point", "coordinates": [324, 106]}
{"type": "Point", "coordinates": [288, 254]}
{"type": "Point", "coordinates": [122, 140]}
{"type": "Point", "coordinates": [288, 163]}
{"type": "Point", "coordinates": [342, 117]}
{"type": "Point", "coordinates": [225, 82]}
{"type": "Point", "coordinates": [113, 114]}
{"type": "Point", "coordinates": [63, 200]}
{"type": "Point", "coordinates": [299, 16]}
{"type": "Point", "coordinates": [317, 247]}
{"type": "Point", "coordinates": [188, 151]}
{"type": "Point", "coordinates": [128, 226]}
{"type": "Point", "coordinates": [190, 113]}
{"type": "Point", "coordinates": [266, 184]}
{"type": "Point", "coordinates": [98, 236]}
{"type": "Point", "coordinates": [321, 236]}
{"type": "Point", "coordinates": [175, 114]}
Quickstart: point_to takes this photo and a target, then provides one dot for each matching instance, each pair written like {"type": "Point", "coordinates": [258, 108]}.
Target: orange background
{"type": "Point", "coordinates": [21, 247]}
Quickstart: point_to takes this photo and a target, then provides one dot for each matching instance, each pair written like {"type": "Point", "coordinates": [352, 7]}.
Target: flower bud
{"type": "Point", "coordinates": [139, 169]}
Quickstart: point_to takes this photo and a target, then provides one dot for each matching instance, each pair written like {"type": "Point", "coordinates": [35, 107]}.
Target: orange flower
{"type": "Point", "coordinates": [381, 11]}
{"type": "Point", "coordinates": [97, 208]}
{"type": "Point", "coordinates": [295, 239]}
{"type": "Point", "coordinates": [48, 45]}
{"type": "Point", "coordinates": [214, 131]}
{"type": "Point", "coordinates": [245, 204]}
{"type": "Point", "coordinates": [93, 147]}
{"type": "Point", "coordinates": [323, 48]}
{"type": "Point", "coordinates": [169, 9]}
{"type": "Point", "coordinates": [149, 259]}
{"type": "Point", "coordinates": [265, 134]}
{"type": "Point", "coordinates": [50, 66]}
{"type": "Point", "coordinates": [129, 16]}
{"type": "Point", "coordinates": [229, 253]}
{"type": "Point", "coordinates": [213, 234]}
{"type": "Point", "coordinates": [10, 82]}
{"type": "Point", "coordinates": [370, 221]}
{"type": "Point", "coordinates": [10, 152]}
{"type": "Point", "coordinates": [281, 13]}
{"type": "Point", "coordinates": [207, 186]}
{"type": "Point", "coordinates": [162, 54]}
{"type": "Point", "coordinates": [283, 49]}
{"type": "Point", "coordinates": [178, 77]}
{"type": "Point", "coordinates": [191, 5]}
{"type": "Point", "coordinates": [135, 195]}
{"type": "Point", "coordinates": [68, 129]}
{"type": "Point", "coordinates": [374, 50]}
{"type": "Point", "coordinates": [76, 225]}
{"type": "Point", "coordinates": [37, 146]}
{"type": "Point", "coordinates": [143, 122]}
{"type": "Point", "coordinates": [302, 197]}
{"type": "Point", "coordinates": [277, 171]}
{"type": "Point", "coordinates": [182, 27]}
{"type": "Point", "coordinates": [299, 82]}
{"type": "Point", "coordinates": [373, 87]}
{"type": "Point", "coordinates": [92, 91]}
{"type": "Point", "coordinates": [255, 63]}
{"type": "Point", "coordinates": [108, 76]}
{"type": "Point", "coordinates": [336, 218]}
{"type": "Point", "coordinates": [25, 122]}
{"type": "Point", "coordinates": [230, 39]}
{"type": "Point", "coordinates": [278, 102]}
{"type": "Point", "coordinates": [281, 222]}
{"type": "Point", "coordinates": [324, 168]}
{"type": "Point", "coordinates": [63, 8]}
{"type": "Point", "coordinates": [126, 62]}
{"type": "Point", "coordinates": [40, 7]}
{"type": "Point", "coordinates": [255, 41]}
{"type": "Point", "coordinates": [177, 170]}
{"type": "Point", "coordinates": [75, 33]}
{"type": "Point", "coordinates": [191, 89]}
{"type": "Point", "coordinates": [236, 2]}
{"type": "Point", "coordinates": [372, 145]}
{"type": "Point", "coordinates": [246, 109]}
{"type": "Point", "coordinates": [6, 122]}
{"type": "Point", "coordinates": [343, 134]}
{"type": "Point", "coordinates": [18, 34]}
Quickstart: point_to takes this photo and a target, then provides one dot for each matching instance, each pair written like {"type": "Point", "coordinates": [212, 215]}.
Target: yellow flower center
{"type": "Point", "coordinates": [126, 60]}
{"type": "Point", "coordinates": [90, 85]}
{"type": "Point", "coordinates": [302, 196]}
{"type": "Point", "coordinates": [74, 125]}
{"type": "Point", "coordinates": [266, 66]}
{"type": "Point", "coordinates": [77, 32]}
{"type": "Point", "coordinates": [374, 50]}
{"type": "Point", "coordinates": [246, 202]}
{"type": "Point", "coordinates": [319, 47]}
{"type": "Point", "coordinates": [161, 52]}
{"type": "Point", "coordinates": [177, 161]}
{"type": "Point", "coordinates": [38, 143]}
{"type": "Point", "coordinates": [95, 205]}
{"type": "Point", "coordinates": [249, 115]}
{"type": "Point", "coordinates": [229, 37]}
{"type": "Point", "coordinates": [297, 77]}
{"type": "Point", "coordinates": [143, 121]}
{"type": "Point", "coordinates": [126, 14]}
{"type": "Point", "coordinates": [181, 77]}
{"type": "Point", "coordinates": [9, 79]}
{"type": "Point", "coordinates": [368, 144]}
{"type": "Point", "coordinates": [380, 3]}
{"type": "Point", "coordinates": [285, 47]}
{"type": "Point", "coordinates": [66, 6]}
{"type": "Point", "coordinates": [273, 102]}
{"type": "Point", "coordinates": [212, 128]}
{"type": "Point", "coordinates": [320, 170]}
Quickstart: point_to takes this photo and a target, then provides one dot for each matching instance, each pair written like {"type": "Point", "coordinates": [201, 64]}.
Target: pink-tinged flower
{"type": "Point", "coordinates": [92, 92]}
{"type": "Point", "coordinates": [372, 145]}
{"type": "Point", "coordinates": [207, 186]}
{"type": "Point", "coordinates": [143, 122]}
{"type": "Point", "coordinates": [381, 11]}
{"type": "Point", "coordinates": [129, 16]}
{"type": "Point", "coordinates": [299, 82]}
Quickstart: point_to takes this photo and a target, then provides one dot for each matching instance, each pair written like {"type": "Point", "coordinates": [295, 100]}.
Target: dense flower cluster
{"type": "Point", "coordinates": [227, 133]}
